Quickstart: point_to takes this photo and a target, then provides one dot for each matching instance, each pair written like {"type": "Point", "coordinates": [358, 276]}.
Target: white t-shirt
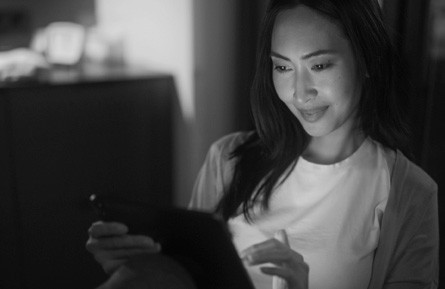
{"type": "Point", "coordinates": [332, 216]}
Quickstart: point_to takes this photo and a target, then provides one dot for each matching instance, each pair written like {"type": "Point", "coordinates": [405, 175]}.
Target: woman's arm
{"type": "Point", "coordinates": [216, 173]}
{"type": "Point", "coordinates": [416, 262]}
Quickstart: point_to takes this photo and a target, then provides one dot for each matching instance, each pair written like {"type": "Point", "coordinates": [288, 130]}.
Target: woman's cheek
{"type": "Point", "coordinates": [284, 88]}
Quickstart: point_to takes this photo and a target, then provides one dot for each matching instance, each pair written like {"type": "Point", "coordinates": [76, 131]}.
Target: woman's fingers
{"type": "Point", "coordinates": [111, 246]}
{"type": "Point", "coordinates": [282, 272]}
{"type": "Point", "coordinates": [110, 260]}
{"type": "Point", "coordinates": [122, 254]}
{"type": "Point", "coordinates": [271, 251]}
{"type": "Point", "coordinates": [294, 280]}
{"type": "Point", "coordinates": [103, 229]}
{"type": "Point", "coordinates": [122, 242]}
{"type": "Point", "coordinates": [290, 265]}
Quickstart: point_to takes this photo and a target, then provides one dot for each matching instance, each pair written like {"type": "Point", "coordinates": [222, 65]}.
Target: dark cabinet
{"type": "Point", "coordinates": [62, 141]}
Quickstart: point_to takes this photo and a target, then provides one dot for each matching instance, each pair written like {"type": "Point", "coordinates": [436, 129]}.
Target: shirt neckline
{"type": "Point", "coordinates": [360, 151]}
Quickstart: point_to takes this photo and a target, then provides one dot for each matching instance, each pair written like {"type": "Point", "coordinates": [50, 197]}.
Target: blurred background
{"type": "Point", "coordinates": [125, 97]}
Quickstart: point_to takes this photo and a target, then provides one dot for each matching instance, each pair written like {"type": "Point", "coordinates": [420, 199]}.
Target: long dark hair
{"type": "Point", "coordinates": [266, 158]}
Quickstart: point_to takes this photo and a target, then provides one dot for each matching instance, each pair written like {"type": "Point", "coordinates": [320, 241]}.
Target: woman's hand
{"type": "Point", "coordinates": [111, 246]}
{"type": "Point", "coordinates": [290, 265]}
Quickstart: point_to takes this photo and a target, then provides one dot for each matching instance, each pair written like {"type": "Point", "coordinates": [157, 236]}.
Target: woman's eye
{"type": "Point", "coordinates": [281, 68]}
{"type": "Point", "coordinates": [320, 67]}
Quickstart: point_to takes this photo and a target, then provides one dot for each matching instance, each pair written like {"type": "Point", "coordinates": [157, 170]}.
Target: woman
{"type": "Point", "coordinates": [323, 165]}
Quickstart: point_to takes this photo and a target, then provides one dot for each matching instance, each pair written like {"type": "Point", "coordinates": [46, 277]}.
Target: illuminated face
{"type": "Point", "coordinates": [314, 72]}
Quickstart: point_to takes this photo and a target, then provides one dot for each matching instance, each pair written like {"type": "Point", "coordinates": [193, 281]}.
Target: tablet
{"type": "Point", "coordinates": [200, 242]}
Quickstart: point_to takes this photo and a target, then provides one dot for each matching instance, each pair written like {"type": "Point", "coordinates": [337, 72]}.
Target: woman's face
{"type": "Point", "coordinates": [314, 71]}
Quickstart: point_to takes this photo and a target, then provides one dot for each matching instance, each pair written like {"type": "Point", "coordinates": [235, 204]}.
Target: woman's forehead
{"type": "Point", "coordinates": [302, 26]}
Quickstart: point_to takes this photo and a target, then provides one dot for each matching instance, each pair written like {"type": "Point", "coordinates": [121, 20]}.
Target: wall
{"type": "Point", "coordinates": [224, 56]}
{"type": "Point", "coordinates": [158, 35]}
{"type": "Point", "coordinates": [215, 68]}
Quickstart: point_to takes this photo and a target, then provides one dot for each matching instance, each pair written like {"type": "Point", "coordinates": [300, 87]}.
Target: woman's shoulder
{"type": "Point", "coordinates": [413, 173]}
{"type": "Point", "coordinates": [405, 172]}
{"type": "Point", "coordinates": [216, 173]}
{"type": "Point", "coordinates": [224, 146]}
{"type": "Point", "coordinates": [412, 179]}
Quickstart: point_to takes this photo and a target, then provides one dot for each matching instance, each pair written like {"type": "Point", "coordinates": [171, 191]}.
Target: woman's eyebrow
{"type": "Point", "coordinates": [275, 54]}
{"type": "Point", "coordinates": [318, 53]}
{"type": "Point", "coordinates": [306, 56]}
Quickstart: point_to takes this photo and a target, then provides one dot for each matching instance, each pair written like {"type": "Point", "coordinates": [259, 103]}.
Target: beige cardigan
{"type": "Point", "coordinates": [408, 252]}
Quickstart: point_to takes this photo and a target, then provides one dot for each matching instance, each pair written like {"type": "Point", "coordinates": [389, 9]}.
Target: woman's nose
{"type": "Point", "coordinates": [304, 88]}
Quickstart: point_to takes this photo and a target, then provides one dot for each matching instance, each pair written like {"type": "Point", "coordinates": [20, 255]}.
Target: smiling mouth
{"type": "Point", "coordinates": [312, 115]}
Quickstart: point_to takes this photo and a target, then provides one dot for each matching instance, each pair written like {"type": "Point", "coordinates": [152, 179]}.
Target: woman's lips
{"type": "Point", "coordinates": [313, 114]}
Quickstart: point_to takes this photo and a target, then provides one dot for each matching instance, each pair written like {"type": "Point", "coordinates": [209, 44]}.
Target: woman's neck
{"type": "Point", "coordinates": [333, 148]}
